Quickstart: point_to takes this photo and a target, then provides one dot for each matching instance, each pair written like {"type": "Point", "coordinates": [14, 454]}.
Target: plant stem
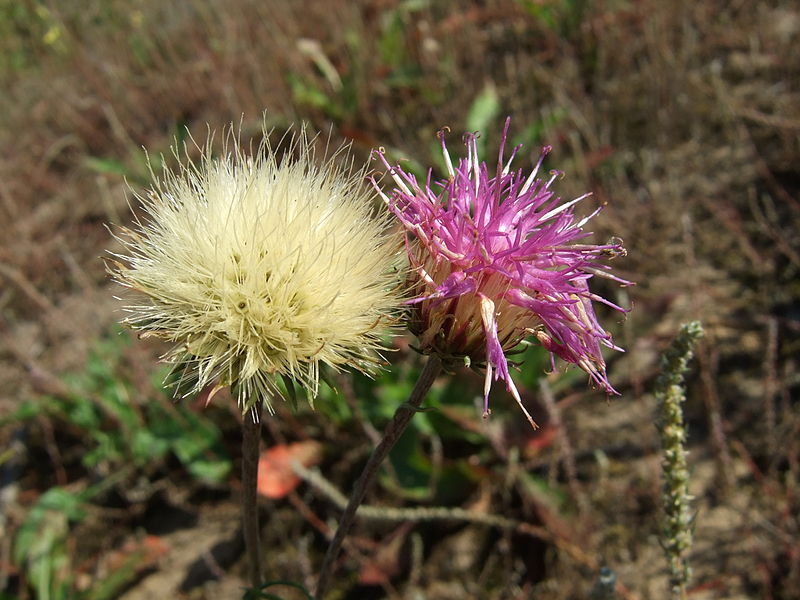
{"type": "Point", "coordinates": [670, 395]}
{"type": "Point", "coordinates": [251, 439]}
{"type": "Point", "coordinates": [402, 417]}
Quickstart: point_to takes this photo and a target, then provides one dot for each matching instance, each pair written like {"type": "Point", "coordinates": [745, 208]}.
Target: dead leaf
{"type": "Point", "coordinates": [276, 478]}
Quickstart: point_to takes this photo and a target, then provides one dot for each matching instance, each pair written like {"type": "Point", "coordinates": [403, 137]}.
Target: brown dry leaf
{"type": "Point", "coordinates": [276, 478]}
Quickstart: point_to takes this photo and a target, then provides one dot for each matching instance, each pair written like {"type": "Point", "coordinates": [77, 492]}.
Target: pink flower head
{"type": "Point", "coordinates": [494, 260]}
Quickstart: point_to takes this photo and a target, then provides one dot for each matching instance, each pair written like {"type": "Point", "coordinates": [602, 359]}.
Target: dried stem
{"type": "Point", "coordinates": [402, 417]}
{"type": "Point", "coordinates": [251, 439]}
{"type": "Point", "coordinates": [419, 514]}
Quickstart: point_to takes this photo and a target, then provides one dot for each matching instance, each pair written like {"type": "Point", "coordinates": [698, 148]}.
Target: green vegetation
{"type": "Point", "coordinates": [120, 440]}
{"type": "Point", "coordinates": [682, 121]}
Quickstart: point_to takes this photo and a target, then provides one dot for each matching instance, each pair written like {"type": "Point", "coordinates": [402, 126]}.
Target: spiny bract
{"type": "Point", "coordinates": [258, 268]}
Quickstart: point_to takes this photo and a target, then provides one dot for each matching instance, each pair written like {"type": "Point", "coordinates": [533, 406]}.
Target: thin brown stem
{"type": "Point", "coordinates": [251, 439]}
{"type": "Point", "coordinates": [402, 417]}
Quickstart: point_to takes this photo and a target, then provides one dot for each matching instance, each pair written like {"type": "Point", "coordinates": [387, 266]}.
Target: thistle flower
{"type": "Point", "coordinates": [494, 260]}
{"type": "Point", "coordinates": [258, 268]}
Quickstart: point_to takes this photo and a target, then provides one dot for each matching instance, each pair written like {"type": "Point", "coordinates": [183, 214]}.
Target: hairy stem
{"type": "Point", "coordinates": [251, 438]}
{"type": "Point", "coordinates": [670, 394]}
{"type": "Point", "coordinates": [402, 417]}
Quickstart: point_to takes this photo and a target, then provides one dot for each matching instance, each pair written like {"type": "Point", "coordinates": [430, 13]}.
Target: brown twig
{"type": "Point", "coordinates": [428, 513]}
{"type": "Point", "coordinates": [376, 513]}
{"type": "Point", "coordinates": [402, 417]}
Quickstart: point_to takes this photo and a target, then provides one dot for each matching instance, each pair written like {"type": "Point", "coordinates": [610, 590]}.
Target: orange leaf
{"type": "Point", "coordinates": [276, 478]}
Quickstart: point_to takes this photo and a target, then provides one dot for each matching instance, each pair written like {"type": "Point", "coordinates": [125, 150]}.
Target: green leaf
{"type": "Point", "coordinates": [107, 166]}
{"type": "Point", "coordinates": [483, 112]}
{"type": "Point", "coordinates": [84, 414]}
{"type": "Point", "coordinates": [39, 546]}
{"type": "Point", "coordinates": [63, 501]}
{"type": "Point", "coordinates": [413, 469]}
{"type": "Point", "coordinates": [392, 41]}
{"type": "Point", "coordinates": [308, 94]}
{"type": "Point", "coordinates": [485, 108]}
{"type": "Point", "coordinates": [25, 411]}
{"type": "Point", "coordinates": [109, 448]}
{"type": "Point", "coordinates": [212, 470]}
{"type": "Point", "coordinates": [533, 363]}
{"type": "Point", "coordinates": [146, 446]}
{"type": "Point", "coordinates": [196, 443]}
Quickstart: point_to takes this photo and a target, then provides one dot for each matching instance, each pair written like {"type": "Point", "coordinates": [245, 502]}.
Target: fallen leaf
{"type": "Point", "coordinates": [276, 478]}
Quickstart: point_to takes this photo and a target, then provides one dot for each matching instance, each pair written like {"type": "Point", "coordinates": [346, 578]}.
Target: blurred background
{"type": "Point", "coordinates": [683, 118]}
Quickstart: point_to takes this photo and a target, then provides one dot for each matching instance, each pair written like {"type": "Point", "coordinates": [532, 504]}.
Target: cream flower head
{"type": "Point", "coordinates": [260, 267]}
